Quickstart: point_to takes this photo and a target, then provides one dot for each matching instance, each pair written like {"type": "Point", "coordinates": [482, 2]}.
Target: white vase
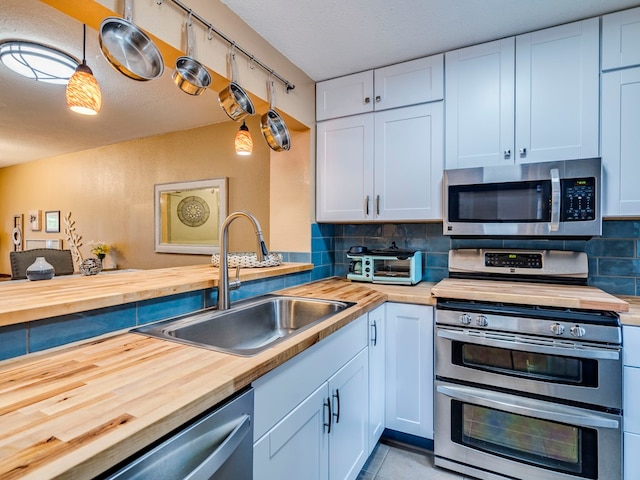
{"type": "Point", "coordinates": [40, 270]}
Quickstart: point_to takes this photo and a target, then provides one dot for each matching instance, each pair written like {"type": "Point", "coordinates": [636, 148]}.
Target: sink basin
{"type": "Point", "coordinates": [249, 326]}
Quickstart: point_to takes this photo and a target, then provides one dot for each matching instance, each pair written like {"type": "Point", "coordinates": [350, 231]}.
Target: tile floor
{"type": "Point", "coordinates": [395, 463]}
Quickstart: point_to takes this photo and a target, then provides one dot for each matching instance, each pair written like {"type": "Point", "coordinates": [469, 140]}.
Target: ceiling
{"type": "Point", "coordinates": [324, 38]}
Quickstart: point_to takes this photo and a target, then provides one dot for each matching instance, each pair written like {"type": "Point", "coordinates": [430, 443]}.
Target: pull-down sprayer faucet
{"type": "Point", "coordinates": [223, 278]}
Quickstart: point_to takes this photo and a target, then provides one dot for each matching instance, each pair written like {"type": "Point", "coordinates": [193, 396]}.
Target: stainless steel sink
{"type": "Point", "coordinates": [249, 326]}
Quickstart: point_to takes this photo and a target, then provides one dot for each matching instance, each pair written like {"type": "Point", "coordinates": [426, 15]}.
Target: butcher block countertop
{"type": "Point", "coordinates": [75, 411]}
{"type": "Point", "coordinates": [23, 301]}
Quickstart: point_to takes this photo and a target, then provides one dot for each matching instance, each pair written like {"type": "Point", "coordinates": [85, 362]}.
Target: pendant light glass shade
{"type": "Point", "coordinates": [83, 91]}
{"type": "Point", "coordinates": [244, 142]}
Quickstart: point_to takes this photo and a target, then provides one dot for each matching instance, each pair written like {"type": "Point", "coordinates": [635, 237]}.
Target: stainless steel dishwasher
{"type": "Point", "coordinates": [215, 446]}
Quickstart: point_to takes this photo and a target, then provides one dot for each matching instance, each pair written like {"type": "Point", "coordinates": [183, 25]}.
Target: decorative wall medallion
{"type": "Point", "coordinates": [193, 211]}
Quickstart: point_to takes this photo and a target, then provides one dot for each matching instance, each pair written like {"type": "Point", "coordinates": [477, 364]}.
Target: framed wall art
{"type": "Point", "coordinates": [188, 216]}
{"type": "Point", "coordinates": [35, 218]}
{"type": "Point", "coordinates": [52, 221]}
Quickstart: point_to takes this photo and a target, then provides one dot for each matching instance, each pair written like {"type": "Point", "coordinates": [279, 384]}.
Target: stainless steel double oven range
{"type": "Point", "coordinates": [527, 392]}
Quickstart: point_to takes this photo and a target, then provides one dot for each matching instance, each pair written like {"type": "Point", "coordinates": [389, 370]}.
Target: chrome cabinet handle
{"type": "Point", "coordinates": [337, 397]}
{"type": "Point", "coordinates": [523, 152]}
{"type": "Point", "coordinates": [377, 204]}
{"type": "Point", "coordinates": [378, 98]}
{"type": "Point", "coordinates": [367, 100]}
{"type": "Point", "coordinates": [366, 205]}
{"type": "Point", "coordinates": [507, 153]}
{"type": "Point", "coordinates": [374, 337]}
{"type": "Point", "coordinates": [328, 405]}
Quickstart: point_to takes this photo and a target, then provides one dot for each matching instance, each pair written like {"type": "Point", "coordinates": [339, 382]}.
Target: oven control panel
{"type": "Point", "coordinates": [513, 260]}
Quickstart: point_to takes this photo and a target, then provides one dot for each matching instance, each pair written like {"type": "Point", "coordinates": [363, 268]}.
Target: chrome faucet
{"type": "Point", "coordinates": [223, 279]}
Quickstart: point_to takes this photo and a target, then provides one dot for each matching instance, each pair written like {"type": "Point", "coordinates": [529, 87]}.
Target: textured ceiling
{"type": "Point", "coordinates": [325, 38]}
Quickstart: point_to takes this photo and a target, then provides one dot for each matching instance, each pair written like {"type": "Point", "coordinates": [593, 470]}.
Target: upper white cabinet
{"type": "Point", "coordinates": [620, 39]}
{"type": "Point", "coordinates": [381, 166]}
{"type": "Point", "coordinates": [531, 98]}
{"type": "Point", "coordinates": [621, 142]}
{"type": "Point", "coordinates": [408, 83]}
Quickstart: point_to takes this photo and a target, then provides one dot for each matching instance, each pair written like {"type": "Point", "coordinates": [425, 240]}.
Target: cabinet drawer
{"type": "Point", "coordinates": [281, 390]}
{"type": "Point", "coordinates": [631, 391]}
{"type": "Point", "coordinates": [620, 39]}
{"type": "Point", "coordinates": [631, 459]}
{"type": "Point", "coordinates": [631, 346]}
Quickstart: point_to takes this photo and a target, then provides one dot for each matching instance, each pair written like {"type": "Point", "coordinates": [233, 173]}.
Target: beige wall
{"type": "Point", "coordinates": [109, 192]}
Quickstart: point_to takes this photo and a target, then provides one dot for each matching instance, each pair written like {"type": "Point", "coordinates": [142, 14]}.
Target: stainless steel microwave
{"type": "Point", "coordinates": [549, 199]}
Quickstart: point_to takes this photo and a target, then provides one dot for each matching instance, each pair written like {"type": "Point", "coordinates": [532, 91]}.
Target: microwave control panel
{"type": "Point", "coordinates": [578, 202]}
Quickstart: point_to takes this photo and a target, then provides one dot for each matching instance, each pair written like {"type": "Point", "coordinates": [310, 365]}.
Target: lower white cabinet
{"type": "Point", "coordinates": [377, 348]}
{"type": "Point", "coordinates": [409, 369]}
{"type": "Point", "coordinates": [319, 432]}
{"type": "Point", "coordinates": [631, 391]}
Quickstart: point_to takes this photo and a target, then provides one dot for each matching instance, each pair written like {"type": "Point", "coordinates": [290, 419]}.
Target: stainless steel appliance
{"type": "Point", "coordinates": [526, 391]}
{"type": "Point", "coordinates": [392, 266]}
{"type": "Point", "coordinates": [547, 199]}
{"type": "Point", "coordinates": [216, 446]}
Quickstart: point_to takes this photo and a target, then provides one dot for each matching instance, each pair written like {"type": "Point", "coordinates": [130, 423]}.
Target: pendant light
{"type": "Point", "coordinates": [83, 91]}
{"type": "Point", "coordinates": [243, 142]}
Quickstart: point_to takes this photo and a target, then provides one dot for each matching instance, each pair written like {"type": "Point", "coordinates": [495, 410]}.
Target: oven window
{"type": "Point", "coordinates": [553, 368]}
{"type": "Point", "coordinates": [547, 444]}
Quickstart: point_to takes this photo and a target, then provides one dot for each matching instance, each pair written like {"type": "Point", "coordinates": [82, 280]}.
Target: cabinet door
{"type": "Point", "coordinates": [343, 96]}
{"type": "Point", "coordinates": [409, 369]}
{"type": "Point", "coordinates": [297, 446]}
{"type": "Point", "coordinates": [557, 88]}
{"type": "Point", "coordinates": [621, 142]}
{"type": "Point", "coordinates": [409, 83]}
{"type": "Point", "coordinates": [631, 458]}
{"type": "Point", "coordinates": [344, 176]}
{"type": "Point", "coordinates": [348, 442]}
{"type": "Point", "coordinates": [479, 105]}
{"type": "Point", "coordinates": [620, 39]}
{"type": "Point", "coordinates": [408, 163]}
{"type": "Point", "coordinates": [377, 344]}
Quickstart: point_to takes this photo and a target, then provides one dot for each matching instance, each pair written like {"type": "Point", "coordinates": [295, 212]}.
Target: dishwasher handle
{"type": "Point", "coordinates": [220, 455]}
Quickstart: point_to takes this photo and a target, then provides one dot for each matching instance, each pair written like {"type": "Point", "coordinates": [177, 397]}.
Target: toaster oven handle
{"type": "Point", "coordinates": [555, 199]}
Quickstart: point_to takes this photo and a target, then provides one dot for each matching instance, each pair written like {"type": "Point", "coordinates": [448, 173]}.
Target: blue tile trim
{"type": "Point", "coordinates": [13, 341]}
{"type": "Point", "coordinates": [56, 331]}
{"type": "Point", "coordinates": [171, 306]}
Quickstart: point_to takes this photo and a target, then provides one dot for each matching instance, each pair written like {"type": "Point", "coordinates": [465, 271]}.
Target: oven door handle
{"type": "Point", "coordinates": [531, 347]}
{"type": "Point", "coordinates": [528, 407]}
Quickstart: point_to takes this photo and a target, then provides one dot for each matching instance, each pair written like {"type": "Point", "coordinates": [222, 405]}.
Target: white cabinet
{"type": "Point", "coordinates": [531, 98]}
{"type": "Point", "coordinates": [377, 348]}
{"type": "Point", "coordinates": [381, 166]}
{"type": "Point", "coordinates": [621, 142]}
{"type": "Point", "coordinates": [409, 369]}
{"type": "Point", "coordinates": [408, 83]}
{"type": "Point", "coordinates": [631, 393]}
{"type": "Point", "coordinates": [312, 414]}
{"type": "Point", "coordinates": [620, 39]}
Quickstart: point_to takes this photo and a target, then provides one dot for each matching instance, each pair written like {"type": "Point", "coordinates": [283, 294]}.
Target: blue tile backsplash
{"type": "Point", "coordinates": [614, 258]}
{"type": "Point", "coordinates": [614, 266]}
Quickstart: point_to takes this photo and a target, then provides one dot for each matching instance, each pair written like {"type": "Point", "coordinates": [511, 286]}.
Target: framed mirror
{"type": "Point", "coordinates": [188, 216]}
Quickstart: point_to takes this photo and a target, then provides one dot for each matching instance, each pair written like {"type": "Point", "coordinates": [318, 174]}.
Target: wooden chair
{"type": "Point", "coordinates": [61, 260]}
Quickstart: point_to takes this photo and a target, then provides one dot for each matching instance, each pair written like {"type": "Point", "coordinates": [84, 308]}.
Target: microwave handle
{"type": "Point", "coordinates": [555, 199]}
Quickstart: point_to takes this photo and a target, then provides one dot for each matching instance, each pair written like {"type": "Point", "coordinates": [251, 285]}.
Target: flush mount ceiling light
{"type": "Point", "coordinates": [38, 62]}
{"type": "Point", "coordinates": [83, 91]}
{"type": "Point", "coordinates": [244, 142]}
